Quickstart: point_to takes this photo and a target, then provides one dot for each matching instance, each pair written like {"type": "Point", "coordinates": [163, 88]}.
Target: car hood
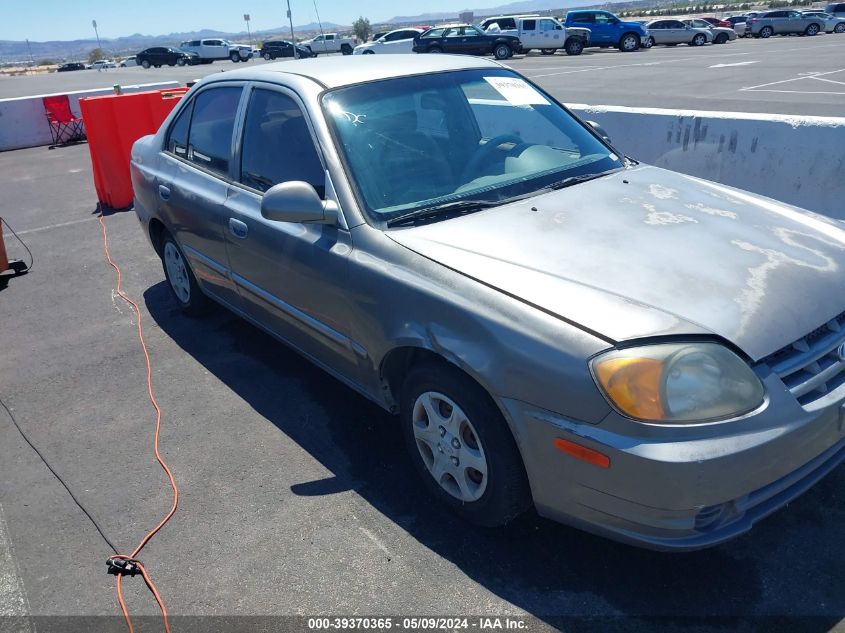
{"type": "Point", "coordinates": [646, 252]}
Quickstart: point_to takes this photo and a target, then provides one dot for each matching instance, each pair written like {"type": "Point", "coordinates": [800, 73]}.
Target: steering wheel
{"type": "Point", "coordinates": [484, 152]}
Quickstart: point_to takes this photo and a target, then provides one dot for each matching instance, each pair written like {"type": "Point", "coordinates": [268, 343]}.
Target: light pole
{"type": "Point", "coordinates": [94, 24]}
{"type": "Point", "coordinates": [248, 33]}
{"type": "Point", "coordinates": [292, 39]}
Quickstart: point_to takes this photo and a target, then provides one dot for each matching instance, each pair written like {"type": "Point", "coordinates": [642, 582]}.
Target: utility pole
{"type": "Point", "coordinates": [249, 34]}
{"type": "Point", "coordinates": [94, 24]}
{"type": "Point", "coordinates": [292, 39]}
{"type": "Point", "coordinates": [29, 48]}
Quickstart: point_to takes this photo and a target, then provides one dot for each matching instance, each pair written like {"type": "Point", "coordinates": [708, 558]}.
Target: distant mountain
{"type": "Point", "coordinates": [60, 50]}
{"type": "Point", "coordinates": [521, 6]}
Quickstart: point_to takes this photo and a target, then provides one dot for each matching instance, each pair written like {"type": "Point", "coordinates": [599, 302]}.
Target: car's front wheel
{"type": "Point", "coordinates": [766, 32]}
{"type": "Point", "coordinates": [839, 28]}
{"type": "Point", "coordinates": [235, 57]}
{"type": "Point", "coordinates": [574, 47]}
{"type": "Point", "coordinates": [629, 43]}
{"type": "Point", "coordinates": [649, 42]}
{"type": "Point", "coordinates": [721, 39]}
{"type": "Point", "coordinates": [434, 50]}
{"type": "Point", "coordinates": [145, 64]}
{"type": "Point", "coordinates": [461, 445]}
{"type": "Point", "coordinates": [502, 51]}
{"type": "Point", "coordinates": [180, 61]}
{"type": "Point", "coordinates": [180, 279]}
{"type": "Point", "coordinates": [812, 29]}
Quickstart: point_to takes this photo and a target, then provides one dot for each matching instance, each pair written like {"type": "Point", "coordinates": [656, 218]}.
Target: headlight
{"type": "Point", "coordinates": [678, 382]}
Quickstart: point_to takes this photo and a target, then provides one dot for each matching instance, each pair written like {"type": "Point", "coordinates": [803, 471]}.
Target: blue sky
{"type": "Point", "coordinates": [71, 19]}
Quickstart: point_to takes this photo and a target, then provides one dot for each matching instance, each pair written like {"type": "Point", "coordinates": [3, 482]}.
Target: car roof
{"type": "Point", "coordinates": [333, 72]}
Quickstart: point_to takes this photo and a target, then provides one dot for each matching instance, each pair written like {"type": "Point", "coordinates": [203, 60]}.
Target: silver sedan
{"type": "Point", "coordinates": [721, 35]}
{"type": "Point", "coordinates": [674, 32]}
{"type": "Point", "coordinates": [650, 356]}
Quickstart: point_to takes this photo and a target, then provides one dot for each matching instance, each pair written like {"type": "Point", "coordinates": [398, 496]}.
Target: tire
{"type": "Point", "coordinates": [180, 279]}
{"type": "Point", "coordinates": [267, 56]}
{"type": "Point", "coordinates": [699, 40]}
{"type": "Point", "coordinates": [171, 63]}
{"type": "Point", "coordinates": [839, 28]}
{"type": "Point", "coordinates": [502, 51]}
{"type": "Point", "coordinates": [766, 32]}
{"type": "Point", "coordinates": [235, 57]}
{"type": "Point", "coordinates": [574, 46]}
{"type": "Point", "coordinates": [368, 52]}
{"type": "Point", "coordinates": [145, 64]}
{"type": "Point", "coordinates": [470, 428]}
{"type": "Point", "coordinates": [346, 49]}
{"type": "Point", "coordinates": [548, 51]}
{"type": "Point", "coordinates": [180, 62]}
{"type": "Point", "coordinates": [434, 50]}
{"type": "Point", "coordinates": [720, 39]}
{"type": "Point", "coordinates": [629, 42]}
{"type": "Point", "coordinates": [811, 30]}
{"type": "Point", "coordinates": [649, 42]}
{"type": "Point", "coordinates": [158, 65]}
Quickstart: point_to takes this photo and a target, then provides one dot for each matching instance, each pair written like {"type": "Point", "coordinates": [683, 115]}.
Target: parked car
{"type": "Point", "coordinates": [159, 56]}
{"type": "Point", "coordinates": [129, 61]}
{"type": "Point", "coordinates": [674, 32]}
{"type": "Point", "coordinates": [330, 43]}
{"type": "Point", "coordinates": [100, 64]}
{"type": "Point", "coordinates": [210, 50]}
{"type": "Point", "coordinates": [784, 22]}
{"type": "Point", "coordinates": [720, 35]}
{"type": "Point", "coordinates": [713, 21]}
{"type": "Point", "coordinates": [832, 24]}
{"type": "Point", "coordinates": [739, 24]}
{"type": "Point", "coordinates": [543, 33]}
{"type": "Point", "coordinates": [607, 30]}
{"type": "Point", "coordinates": [398, 41]}
{"type": "Point", "coordinates": [628, 374]}
{"type": "Point", "coordinates": [836, 9]}
{"type": "Point", "coordinates": [70, 66]}
{"type": "Point", "coordinates": [466, 39]}
{"type": "Point", "coordinates": [283, 48]}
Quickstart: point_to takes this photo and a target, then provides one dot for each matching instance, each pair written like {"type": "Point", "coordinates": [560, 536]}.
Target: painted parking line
{"type": "Point", "coordinates": [801, 77]}
{"type": "Point", "coordinates": [733, 64]}
{"type": "Point", "coordinates": [13, 602]}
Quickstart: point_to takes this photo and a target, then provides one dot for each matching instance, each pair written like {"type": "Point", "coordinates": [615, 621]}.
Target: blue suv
{"type": "Point", "coordinates": [607, 30]}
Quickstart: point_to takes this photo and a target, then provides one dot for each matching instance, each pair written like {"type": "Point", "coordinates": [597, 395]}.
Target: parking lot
{"type": "Point", "coordinates": [786, 75]}
{"type": "Point", "coordinates": [297, 495]}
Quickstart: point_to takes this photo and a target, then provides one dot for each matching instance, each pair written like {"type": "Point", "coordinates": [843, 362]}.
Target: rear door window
{"type": "Point", "coordinates": [212, 124]}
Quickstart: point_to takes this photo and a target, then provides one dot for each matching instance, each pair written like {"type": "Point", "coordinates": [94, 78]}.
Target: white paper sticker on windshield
{"type": "Point", "coordinates": [516, 91]}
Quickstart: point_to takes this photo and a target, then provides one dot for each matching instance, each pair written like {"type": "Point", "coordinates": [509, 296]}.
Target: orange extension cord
{"type": "Point", "coordinates": [161, 461]}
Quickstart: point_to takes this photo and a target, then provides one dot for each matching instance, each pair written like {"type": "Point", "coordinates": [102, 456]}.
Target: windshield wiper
{"type": "Point", "coordinates": [450, 209]}
{"type": "Point", "coordinates": [573, 180]}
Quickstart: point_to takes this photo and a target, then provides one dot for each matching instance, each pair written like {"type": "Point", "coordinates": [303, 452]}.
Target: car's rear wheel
{"type": "Point", "coordinates": [839, 28]}
{"type": "Point", "coordinates": [235, 57]}
{"type": "Point", "coordinates": [574, 47]}
{"type": "Point", "coordinates": [699, 40]}
{"type": "Point", "coordinates": [766, 32]}
{"type": "Point", "coordinates": [145, 64]}
{"type": "Point", "coordinates": [548, 51]}
{"type": "Point", "coordinates": [812, 29]}
{"type": "Point", "coordinates": [180, 61]}
{"type": "Point", "coordinates": [461, 445]}
{"type": "Point", "coordinates": [629, 43]}
{"type": "Point", "coordinates": [267, 56]}
{"type": "Point", "coordinates": [435, 50]}
{"type": "Point", "coordinates": [180, 279]}
{"type": "Point", "coordinates": [501, 51]}
{"type": "Point", "coordinates": [721, 38]}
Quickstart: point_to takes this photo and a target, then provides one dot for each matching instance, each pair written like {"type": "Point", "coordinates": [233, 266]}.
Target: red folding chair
{"type": "Point", "coordinates": [65, 126]}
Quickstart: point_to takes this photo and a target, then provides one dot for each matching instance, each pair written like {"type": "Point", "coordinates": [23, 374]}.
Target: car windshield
{"type": "Point", "coordinates": [416, 144]}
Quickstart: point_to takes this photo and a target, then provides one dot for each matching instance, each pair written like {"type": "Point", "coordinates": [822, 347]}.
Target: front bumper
{"type": "Point", "coordinates": [666, 493]}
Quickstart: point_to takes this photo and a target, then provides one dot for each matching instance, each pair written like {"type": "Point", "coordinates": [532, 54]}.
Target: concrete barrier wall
{"type": "Point", "coordinates": [22, 120]}
{"type": "Point", "coordinates": [795, 159]}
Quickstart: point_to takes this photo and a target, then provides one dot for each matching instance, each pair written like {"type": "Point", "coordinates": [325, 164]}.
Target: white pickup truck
{"type": "Point", "coordinates": [330, 43]}
{"type": "Point", "coordinates": [213, 49]}
{"type": "Point", "coordinates": [544, 33]}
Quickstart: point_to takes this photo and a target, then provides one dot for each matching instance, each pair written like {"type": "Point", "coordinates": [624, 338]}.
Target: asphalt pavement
{"type": "Point", "coordinates": [788, 75]}
{"type": "Point", "coordinates": [297, 496]}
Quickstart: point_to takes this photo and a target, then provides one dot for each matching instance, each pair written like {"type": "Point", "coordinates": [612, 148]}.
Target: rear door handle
{"type": "Point", "coordinates": [238, 228]}
{"type": "Point", "coordinates": [164, 192]}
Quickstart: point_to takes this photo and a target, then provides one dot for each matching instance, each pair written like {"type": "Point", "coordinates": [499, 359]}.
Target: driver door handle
{"type": "Point", "coordinates": [238, 228]}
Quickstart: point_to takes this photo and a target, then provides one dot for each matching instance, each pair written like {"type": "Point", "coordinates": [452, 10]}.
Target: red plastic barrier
{"type": "Point", "coordinates": [113, 123]}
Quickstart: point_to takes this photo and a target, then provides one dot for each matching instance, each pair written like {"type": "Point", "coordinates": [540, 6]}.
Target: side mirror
{"type": "Point", "coordinates": [297, 201]}
{"type": "Point", "coordinates": [599, 130]}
